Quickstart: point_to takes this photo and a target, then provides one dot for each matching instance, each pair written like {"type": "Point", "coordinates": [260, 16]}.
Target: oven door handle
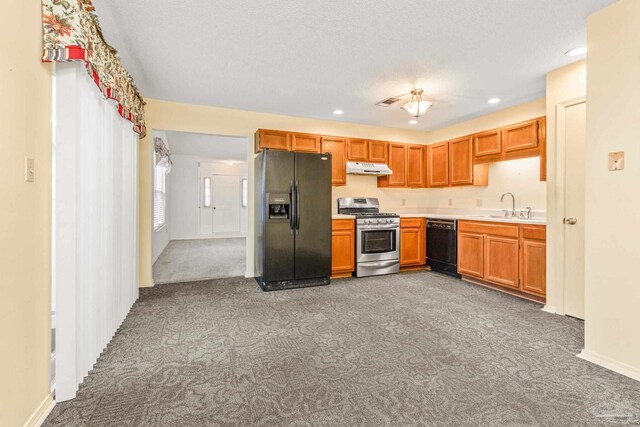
{"type": "Point", "coordinates": [368, 228]}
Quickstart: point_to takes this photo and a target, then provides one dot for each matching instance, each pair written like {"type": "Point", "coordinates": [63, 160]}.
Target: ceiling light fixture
{"type": "Point", "coordinates": [493, 100]}
{"type": "Point", "coordinates": [413, 122]}
{"type": "Point", "coordinates": [417, 106]}
{"type": "Point", "coordinates": [338, 112]}
{"type": "Point", "coordinates": [576, 51]}
{"type": "Point", "coordinates": [229, 162]}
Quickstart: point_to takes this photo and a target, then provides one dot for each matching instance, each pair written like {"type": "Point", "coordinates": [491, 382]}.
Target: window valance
{"type": "Point", "coordinates": [72, 33]}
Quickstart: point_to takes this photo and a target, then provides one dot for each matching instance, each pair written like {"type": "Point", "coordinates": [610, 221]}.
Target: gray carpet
{"type": "Point", "coordinates": [189, 260]}
{"type": "Point", "coordinates": [410, 349]}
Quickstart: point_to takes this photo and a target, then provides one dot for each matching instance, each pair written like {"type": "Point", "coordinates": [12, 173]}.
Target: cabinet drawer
{"type": "Point", "coordinates": [534, 232]}
{"type": "Point", "coordinates": [491, 228]}
{"type": "Point", "coordinates": [343, 224]}
{"type": "Point", "coordinates": [412, 222]}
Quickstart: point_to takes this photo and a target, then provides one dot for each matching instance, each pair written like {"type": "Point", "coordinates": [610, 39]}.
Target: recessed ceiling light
{"type": "Point", "coordinates": [493, 100]}
{"type": "Point", "coordinates": [413, 122]}
{"type": "Point", "coordinates": [577, 51]}
{"type": "Point", "coordinates": [338, 112]}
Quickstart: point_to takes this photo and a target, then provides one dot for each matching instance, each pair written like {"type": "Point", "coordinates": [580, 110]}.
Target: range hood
{"type": "Point", "coordinates": [363, 168]}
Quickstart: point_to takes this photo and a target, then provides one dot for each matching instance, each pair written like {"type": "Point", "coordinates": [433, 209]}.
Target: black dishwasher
{"type": "Point", "coordinates": [442, 245]}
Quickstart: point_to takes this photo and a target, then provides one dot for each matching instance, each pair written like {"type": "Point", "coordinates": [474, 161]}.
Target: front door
{"type": "Point", "coordinates": [575, 137]}
{"type": "Point", "coordinates": [225, 201]}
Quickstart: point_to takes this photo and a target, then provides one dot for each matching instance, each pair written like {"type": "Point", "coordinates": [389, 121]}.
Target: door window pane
{"type": "Point", "coordinates": [206, 188]}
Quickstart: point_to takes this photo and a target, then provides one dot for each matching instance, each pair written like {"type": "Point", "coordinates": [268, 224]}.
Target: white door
{"type": "Point", "coordinates": [225, 198]}
{"type": "Point", "coordinates": [575, 137]}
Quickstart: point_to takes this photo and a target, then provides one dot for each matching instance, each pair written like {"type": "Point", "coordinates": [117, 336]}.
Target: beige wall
{"type": "Point", "coordinates": [612, 293]}
{"type": "Point", "coordinates": [521, 177]}
{"type": "Point", "coordinates": [25, 215]}
{"type": "Point", "coordinates": [220, 121]}
{"type": "Point", "coordinates": [508, 176]}
{"type": "Point", "coordinates": [564, 84]}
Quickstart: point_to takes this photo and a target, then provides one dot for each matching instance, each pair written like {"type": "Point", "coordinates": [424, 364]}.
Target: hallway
{"type": "Point", "coordinates": [199, 259]}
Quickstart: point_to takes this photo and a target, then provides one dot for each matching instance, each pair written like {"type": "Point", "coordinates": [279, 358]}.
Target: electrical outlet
{"type": "Point", "coordinates": [478, 203]}
{"type": "Point", "coordinates": [450, 202]}
{"type": "Point", "coordinates": [404, 202]}
{"type": "Point", "coordinates": [616, 161]}
{"type": "Point", "coordinates": [29, 169]}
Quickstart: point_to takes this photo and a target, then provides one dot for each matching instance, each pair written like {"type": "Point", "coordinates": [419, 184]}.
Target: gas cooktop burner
{"type": "Point", "coordinates": [376, 215]}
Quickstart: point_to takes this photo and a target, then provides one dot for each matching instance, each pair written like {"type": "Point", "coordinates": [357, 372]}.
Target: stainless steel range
{"type": "Point", "coordinates": [377, 236]}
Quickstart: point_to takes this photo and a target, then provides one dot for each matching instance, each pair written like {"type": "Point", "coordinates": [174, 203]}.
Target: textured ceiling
{"type": "Point", "coordinates": [208, 146]}
{"type": "Point", "coordinates": [307, 58]}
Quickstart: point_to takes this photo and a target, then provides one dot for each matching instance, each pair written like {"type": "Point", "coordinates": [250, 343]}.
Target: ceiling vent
{"type": "Point", "coordinates": [388, 101]}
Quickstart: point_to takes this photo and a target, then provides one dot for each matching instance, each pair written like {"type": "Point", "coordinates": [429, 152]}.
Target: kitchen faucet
{"type": "Point", "coordinates": [513, 202]}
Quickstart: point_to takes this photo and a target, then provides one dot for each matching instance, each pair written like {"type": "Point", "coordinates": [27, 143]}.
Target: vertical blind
{"type": "Point", "coordinates": [95, 260]}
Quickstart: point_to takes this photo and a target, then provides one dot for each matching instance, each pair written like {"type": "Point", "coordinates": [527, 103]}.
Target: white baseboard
{"type": "Point", "coordinates": [550, 309]}
{"type": "Point", "coordinates": [42, 412]}
{"type": "Point", "coordinates": [613, 365]}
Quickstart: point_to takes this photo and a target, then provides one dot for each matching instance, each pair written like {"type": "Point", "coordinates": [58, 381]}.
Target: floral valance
{"type": "Point", "coordinates": [72, 33]}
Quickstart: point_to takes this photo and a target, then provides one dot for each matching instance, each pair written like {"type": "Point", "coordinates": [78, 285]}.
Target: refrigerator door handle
{"type": "Point", "coordinates": [297, 208]}
{"type": "Point", "coordinates": [292, 215]}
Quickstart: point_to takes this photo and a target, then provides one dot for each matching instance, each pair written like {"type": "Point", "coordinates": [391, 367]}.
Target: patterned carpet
{"type": "Point", "coordinates": [190, 260]}
{"type": "Point", "coordinates": [409, 349]}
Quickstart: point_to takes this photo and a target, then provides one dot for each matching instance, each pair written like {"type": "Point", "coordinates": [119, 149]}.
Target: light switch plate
{"type": "Point", "coordinates": [29, 169]}
{"type": "Point", "coordinates": [616, 161]}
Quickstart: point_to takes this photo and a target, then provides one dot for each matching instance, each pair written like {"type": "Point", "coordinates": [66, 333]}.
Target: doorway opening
{"type": "Point", "coordinates": [200, 207]}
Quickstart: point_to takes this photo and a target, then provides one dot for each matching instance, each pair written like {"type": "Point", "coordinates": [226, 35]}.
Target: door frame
{"type": "Point", "coordinates": [249, 144]}
{"type": "Point", "coordinates": [560, 241]}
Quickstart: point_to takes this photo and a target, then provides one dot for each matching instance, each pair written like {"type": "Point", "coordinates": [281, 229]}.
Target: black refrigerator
{"type": "Point", "coordinates": [293, 221]}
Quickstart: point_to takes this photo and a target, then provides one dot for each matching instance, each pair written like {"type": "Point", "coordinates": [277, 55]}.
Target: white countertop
{"type": "Point", "coordinates": [343, 216]}
{"type": "Point", "coordinates": [489, 216]}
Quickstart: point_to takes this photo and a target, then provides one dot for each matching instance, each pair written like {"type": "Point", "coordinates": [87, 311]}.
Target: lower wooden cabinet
{"type": "Point", "coordinates": [501, 261]}
{"type": "Point", "coordinates": [471, 254]}
{"type": "Point", "coordinates": [413, 244]}
{"type": "Point", "coordinates": [512, 256]}
{"type": "Point", "coordinates": [343, 244]}
{"type": "Point", "coordinates": [533, 260]}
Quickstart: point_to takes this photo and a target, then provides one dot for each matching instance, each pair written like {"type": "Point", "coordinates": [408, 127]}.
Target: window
{"type": "Point", "coordinates": [245, 192]}
{"type": "Point", "coordinates": [206, 188]}
{"type": "Point", "coordinates": [159, 196]}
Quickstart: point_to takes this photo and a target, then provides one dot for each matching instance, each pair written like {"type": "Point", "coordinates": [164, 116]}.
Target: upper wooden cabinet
{"type": "Point", "coordinates": [415, 159]}
{"type": "Point", "coordinates": [306, 143]}
{"type": "Point", "coordinates": [488, 143]}
{"type": "Point", "coordinates": [338, 149]}
{"type": "Point", "coordinates": [438, 165]}
{"type": "Point", "coordinates": [361, 150]}
{"type": "Point", "coordinates": [542, 135]}
{"type": "Point", "coordinates": [274, 139]}
{"type": "Point", "coordinates": [357, 150]}
{"type": "Point", "coordinates": [522, 136]}
{"type": "Point", "coordinates": [461, 161]}
{"type": "Point", "coordinates": [398, 164]}
{"type": "Point", "coordinates": [378, 152]}
{"type": "Point", "coordinates": [413, 246]}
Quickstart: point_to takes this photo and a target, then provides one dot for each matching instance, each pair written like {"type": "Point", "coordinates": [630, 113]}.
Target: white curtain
{"type": "Point", "coordinates": [95, 235]}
